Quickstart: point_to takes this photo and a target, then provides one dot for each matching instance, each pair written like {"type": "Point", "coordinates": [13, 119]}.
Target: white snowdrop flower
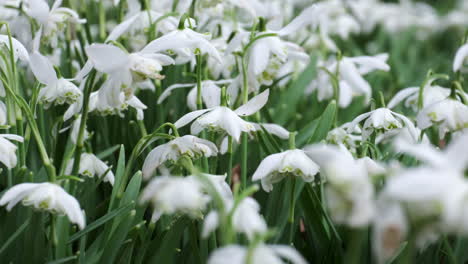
{"type": "Point", "coordinates": [349, 191]}
{"type": "Point", "coordinates": [341, 136]}
{"type": "Point", "coordinates": [277, 166]}
{"type": "Point", "coordinates": [172, 194]}
{"type": "Point", "coordinates": [429, 196]}
{"type": "Point", "coordinates": [185, 43]}
{"type": "Point", "coordinates": [262, 254]}
{"type": "Point", "coordinates": [431, 94]}
{"type": "Point", "coordinates": [223, 118]}
{"type": "Point", "coordinates": [210, 92]}
{"type": "Point", "coordinates": [460, 59]}
{"type": "Point", "coordinates": [383, 121]}
{"type": "Point", "coordinates": [54, 18]}
{"type": "Point", "coordinates": [453, 157]}
{"type": "Point", "coordinates": [47, 197]}
{"type": "Point", "coordinates": [350, 76]}
{"type": "Point", "coordinates": [57, 90]}
{"type": "Point", "coordinates": [449, 115]}
{"type": "Point", "coordinates": [390, 228]}
{"type": "Point", "coordinates": [124, 69]}
{"type": "Point", "coordinates": [187, 145]}
{"type": "Point", "coordinates": [103, 108]}
{"type": "Point", "coordinates": [246, 218]}
{"type": "Point", "coordinates": [91, 166]}
{"type": "Point", "coordinates": [8, 150]}
{"type": "Point", "coordinates": [19, 51]}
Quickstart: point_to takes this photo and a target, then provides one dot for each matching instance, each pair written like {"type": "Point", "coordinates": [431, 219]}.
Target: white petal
{"type": "Point", "coordinates": [254, 104]}
{"type": "Point", "coordinates": [308, 16]}
{"type": "Point", "coordinates": [187, 118]}
{"type": "Point", "coordinates": [121, 28]}
{"type": "Point", "coordinates": [259, 56]}
{"type": "Point", "coordinates": [42, 68]}
{"type": "Point", "coordinates": [167, 92]}
{"type": "Point", "coordinates": [402, 95]}
{"type": "Point", "coordinates": [289, 253]}
{"type": "Point", "coordinates": [16, 194]}
{"type": "Point", "coordinates": [276, 130]}
{"type": "Point", "coordinates": [460, 56]}
{"type": "Point", "coordinates": [152, 161]}
{"type": "Point", "coordinates": [210, 224]}
{"type": "Point", "coordinates": [107, 58]}
{"type": "Point", "coordinates": [267, 166]}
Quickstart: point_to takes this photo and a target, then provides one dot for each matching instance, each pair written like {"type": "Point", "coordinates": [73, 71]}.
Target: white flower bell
{"type": "Point", "coordinates": [225, 119]}
{"type": "Point", "coordinates": [171, 194]}
{"type": "Point", "coordinates": [191, 146]}
{"type": "Point", "coordinates": [91, 166]}
{"type": "Point", "coordinates": [277, 166]}
{"type": "Point", "coordinates": [45, 196]}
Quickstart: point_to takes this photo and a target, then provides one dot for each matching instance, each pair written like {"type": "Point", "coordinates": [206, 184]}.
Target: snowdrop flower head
{"type": "Point", "coordinates": [172, 194]}
{"type": "Point", "coordinates": [246, 218]}
{"type": "Point", "coordinates": [225, 119]}
{"type": "Point", "coordinates": [210, 92]}
{"type": "Point", "coordinates": [460, 59]}
{"type": "Point", "coordinates": [104, 109]}
{"type": "Point", "coordinates": [383, 121]}
{"type": "Point", "coordinates": [57, 90]}
{"type": "Point", "coordinates": [429, 196]}
{"type": "Point", "coordinates": [124, 69]}
{"type": "Point", "coordinates": [452, 158]}
{"type": "Point", "coordinates": [341, 136]}
{"type": "Point", "coordinates": [432, 93]}
{"type": "Point", "coordinates": [54, 18]}
{"type": "Point", "coordinates": [91, 166]}
{"type": "Point", "coordinates": [350, 71]}
{"type": "Point", "coordinates": [187, 145]}
{"type": "Point", "coordinates": [349, 190]}
{"type": "Point", "coordinates": [186, 43]}
{"type": "Point", "coordinates": [262, 254]}
{"type": "Point", "coordinates": [47, 197]}
{"type": "Point", "coordinates": [290, 162]}
{"type": "Point", "coordinates": [449, 115]}
{"type": "Point", "coordinates": [8, 150]}
{"type": "Point", "coordinates": [19, 51]}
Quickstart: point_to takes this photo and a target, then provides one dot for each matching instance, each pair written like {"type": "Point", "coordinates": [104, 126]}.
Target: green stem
{"type": "Point", "coordinates": [230, 158]}
{"type": "Point", "coordinates": [34, 129]}
{"type": "Point", "coordinates": [84, 118]}
{"type": "Point", "coordinates": [199, 82]}
{"type": "Point", "coordinates": [292, 140]}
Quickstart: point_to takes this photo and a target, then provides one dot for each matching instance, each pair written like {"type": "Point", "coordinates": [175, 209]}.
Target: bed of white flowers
{"type": "Point", "coordinates": [233, 131]}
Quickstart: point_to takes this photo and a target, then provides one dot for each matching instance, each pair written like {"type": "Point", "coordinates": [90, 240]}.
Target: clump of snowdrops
{"type": "Point", "coordinates": [139, 131]}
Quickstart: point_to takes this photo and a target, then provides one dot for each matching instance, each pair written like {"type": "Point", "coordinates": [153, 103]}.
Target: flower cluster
{"type": "Point", "coordinates": [310, 131]}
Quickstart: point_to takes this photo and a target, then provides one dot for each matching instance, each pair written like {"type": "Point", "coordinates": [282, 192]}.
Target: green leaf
{"type": "Point", "coordinates": [107, 152]}
{"type": "Point", "coordinates": [109, 216]}
{"type": "Point", "coordinates": [118, 177]}
{"type": "Point", "coordinates": [324, 124]}
{"type": "Point", "coordinates": [14, 236]}
{"type": "Point", "coordinates": [295, 92]}
{"type": "Point", "coordinates": [117, 239]}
